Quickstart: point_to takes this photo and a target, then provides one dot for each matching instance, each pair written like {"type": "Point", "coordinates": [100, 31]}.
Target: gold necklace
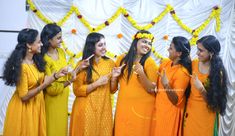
{"type": "Point", "coordinates": [37, 78]}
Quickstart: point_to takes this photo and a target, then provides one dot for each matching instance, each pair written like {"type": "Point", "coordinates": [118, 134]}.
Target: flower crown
{"type": "Point", "coordinates": [143, 35]}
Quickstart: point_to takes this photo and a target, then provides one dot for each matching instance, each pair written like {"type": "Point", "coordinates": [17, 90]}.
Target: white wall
{"type": "Point", "coordinates": [13, 16]}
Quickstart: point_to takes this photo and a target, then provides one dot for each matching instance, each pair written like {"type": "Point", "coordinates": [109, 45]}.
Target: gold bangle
{"type": "Point", "coordinates": [202, 90]}
{"type": "Point", "coordinates": [69, 82]}
{"type": "Point", "coordinates": [165, 85]}
{"type": "Point", "coordinates": [114, 79]}
{"type": "Point", "coordinates": [155, 90]}
{"type": "Point", "coordinates": [78, 70]}
{"type": "Point", "coordinates": [54, 75]}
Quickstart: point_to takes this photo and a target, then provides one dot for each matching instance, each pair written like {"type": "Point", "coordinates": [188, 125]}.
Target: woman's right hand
{"type": "Point", "coordinates": [84, 64]}
{"type": "Point", "coordinates": [47, 80]}
{"type": "Point", "coordinates": [197, 83]}
{"type": "Point", "coordinates": [116, 72]}
{"type": "Point", "coordinates": [103, 80]}
{"type": "Point", "coordinates": [62, 72]}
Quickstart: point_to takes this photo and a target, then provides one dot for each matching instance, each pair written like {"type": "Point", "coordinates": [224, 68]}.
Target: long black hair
{"type": "Point", "coordinates": [182, 45]}
{"type": "Point", "coordinates": [217, 88]}
{"type": "Point", "coordinates": [12, 67]}
{"type": "Point", "coordinates": [131, 55]}
{"type": "Point", "coordinates": [88, 50]}
{"type": "Point", "coordinates": [48, 32]}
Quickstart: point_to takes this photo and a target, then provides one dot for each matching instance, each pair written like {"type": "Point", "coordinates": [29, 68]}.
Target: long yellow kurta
{"type": "Point", "coordinates": [168, 116]}
{"type": "Point", "coordinates": [134, 105]}
{"type": "Point", "coordinates": [26, 118]}
{"type": "Point", "coordinates": [92, 113]}
{"type": "Point", "coordinates": [199, 119]}
{"type": "Point", "coordinates": [56, 98]}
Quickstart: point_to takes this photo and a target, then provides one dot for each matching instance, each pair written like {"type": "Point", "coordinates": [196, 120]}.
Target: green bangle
{"type": "Point", "coordinates": [55, 76]}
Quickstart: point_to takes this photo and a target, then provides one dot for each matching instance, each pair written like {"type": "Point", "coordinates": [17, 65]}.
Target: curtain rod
{"type": "Point", "coordinates": [9, 31]}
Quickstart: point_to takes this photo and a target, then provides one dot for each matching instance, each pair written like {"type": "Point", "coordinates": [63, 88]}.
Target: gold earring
{"type": "Point", "coordinates": [30, 50]}
{"type": "Point", "coordinates": [211, 55]}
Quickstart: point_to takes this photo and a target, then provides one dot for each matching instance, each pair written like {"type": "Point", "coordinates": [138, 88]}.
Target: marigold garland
{"type": "Point", "coordinates": [73, 31]}
{"type": "Point", "coordinates": [143, 35]}
{"type": "Point", "coordinates": [119, 36]}
{"type": "Point", "coordinates": [195, 32]}
{"type": "Point", "coordinates": [165, 37]}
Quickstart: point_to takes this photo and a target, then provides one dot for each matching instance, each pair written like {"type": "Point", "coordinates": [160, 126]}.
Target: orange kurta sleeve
{"type": "Point", "coordinates": [181, 82]}
{"type": "Point", "coordinates": [79, 85]}
{"type": "Point", "coordinates": [22, 86]}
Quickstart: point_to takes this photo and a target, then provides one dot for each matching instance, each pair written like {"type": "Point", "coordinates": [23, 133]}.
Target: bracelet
{"type": "Point", "coordinates": [114, 79]}
{"type": "Point", "coordinates": [202, 89]}
{"type": "Point", "coordinates": [69, 82]}
{"type": "Point", "coordinates": [54, 75]}
{"type": "Point", "coordinates": [79, 70]}
{"type": "Point", "coordinates": [155, 90]}
{"type": "Point", "coordinates": [165, 85]}
{"type": "Point", "coordinates": [38, 89]}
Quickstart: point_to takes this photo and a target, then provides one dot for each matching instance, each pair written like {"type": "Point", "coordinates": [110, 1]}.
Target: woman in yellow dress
{"type": "Point", "coordinates": [136, 96]}
{"type": "Point", "coordinates": [172, 85]}
{"type": "Point", "coordinates": [92, 110]}
{"type": "Point", "coordinates": [24, 69]}
{"type": "Point", "coordinates": [56, 95]}
{"type": "Point", "coordinates": [208, 90]}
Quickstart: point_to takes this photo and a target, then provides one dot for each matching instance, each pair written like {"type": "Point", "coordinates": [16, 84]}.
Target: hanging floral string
{"type": "Point", "coordinates": [195, 32]}
{"type": "Point", "coordinates": [214, 14]}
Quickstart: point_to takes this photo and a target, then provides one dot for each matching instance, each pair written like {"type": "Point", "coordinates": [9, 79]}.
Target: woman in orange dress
{"type": "Point", "coordinates": [24, 69]}
{"type": "Point", "coordinates": [208, 90]}
{"type": "Point", "coordinates": [136, 96]}
{"type": "Point", "coordinates": [92, 109]}
{"type": "Point", "coordinates": [172, 85]}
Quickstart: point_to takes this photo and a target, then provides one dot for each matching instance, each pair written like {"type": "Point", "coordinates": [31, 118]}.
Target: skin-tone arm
{"type": "Point", "coordinates": [84, 64]}
{"type": "Point", "coordinates": [47, 81]}
{"type": "Point", "coordinates": [171, 94]}
{"type": "Point", "coordinates": [147, 84]}
{"type": "Point", "coordinates": [103, 80]}
{"type": "Point", "coordinates": [116, 72]}
{"type": "Point", "coordinates": [199, 86]}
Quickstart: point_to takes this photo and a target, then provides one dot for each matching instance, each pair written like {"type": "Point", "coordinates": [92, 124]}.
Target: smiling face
{"type": "Point", "coordinates": [56, 40]}
{"type": "Point", "coordinates": [173, 53]}
{"type": "Point", "coordinates": [35, 46]}
{"type": "Point", "coordinates": [202, 53]}
{"type": "Point", "coordinates": [100, 48]}
{"type": "Point", "coordinates": [143, 46]}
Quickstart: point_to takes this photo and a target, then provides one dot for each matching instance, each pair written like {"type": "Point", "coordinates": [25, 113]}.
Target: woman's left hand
{"type": "Point", "coordinates": [116, 72]}
{"type": "Point", "coordinates": [164, 78]}
{"type": "Point", "coordinates": [62, 72]}
{"type": "Point", "coordinates": [138, 69]}
{"type": "Point", "coordinates": [197, 83]}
